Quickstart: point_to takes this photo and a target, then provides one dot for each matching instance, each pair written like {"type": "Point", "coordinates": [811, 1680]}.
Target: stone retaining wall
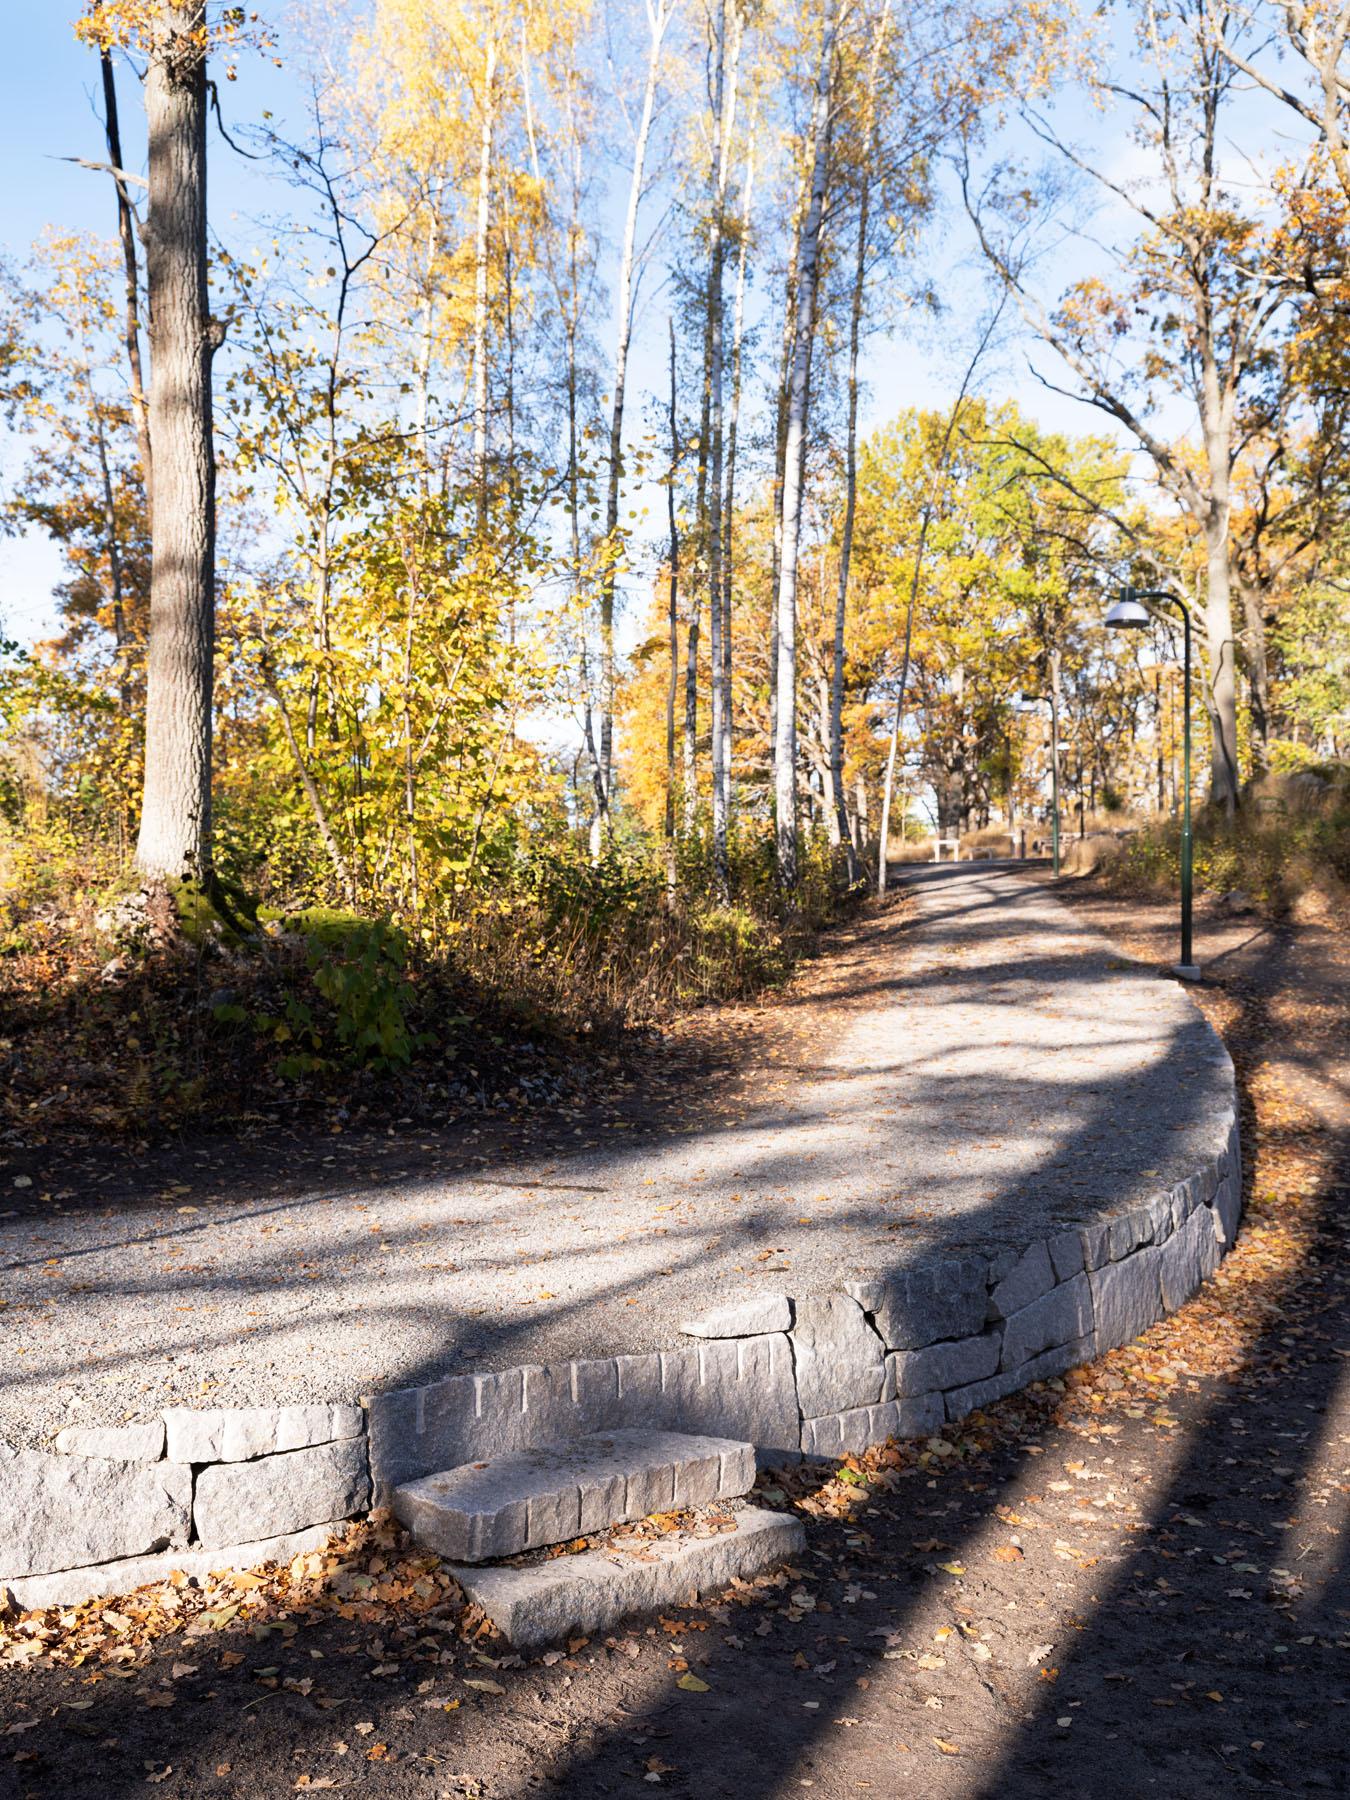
{"type": "Point", "coordinates": [817, 1375]}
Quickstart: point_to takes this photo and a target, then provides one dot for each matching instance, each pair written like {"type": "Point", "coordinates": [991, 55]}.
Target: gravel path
{"type": "Point", "coordinates": [1004, 1074]}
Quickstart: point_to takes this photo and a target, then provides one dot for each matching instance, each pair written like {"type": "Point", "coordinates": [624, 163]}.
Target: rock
{"type": "Point", "coordinates": [116, 1443]}
{"type": "Point", "coordinates": [239, 1434]}
{"type": "Point", "coordinates": [739, 1388]}
{"type": "Point", "coordinates": [743, 1318]}
{"type": "Point", "coordinates": [1059, 1317]}
{"type": "Point", "coordinates": [62, 1511]}
{"type": "Point", "coordinates": [1026, 1280]}
{"type": "Point", "coordinates": [101, 1580]}
{"type": "Point", "coordinates": [1236, 900]}
{"type": "Point", "coordinates": [1010, 1381]}
{"type": "Point", "coordinates": [1126, 1298]}
{"type": "Point", "coordinates": [848, 1433]}
{"type": "Point", "coordinates": [533, 1605]}
{"type": "Point", "coordinates": [942, 1366]}
{"type": "Point", "coordinates": [1187, 1258]}
{"type": "Point", "coordinates": [839, 1357]}
{"type": "Point", "coordinates": [933, 1300]}
{"type": "Point", "coordinates": [276, 1494]}
{"type": "Point", "coordinates": [1066, 1255]}
{"type": "Point", "coordinates": [515, 1503]}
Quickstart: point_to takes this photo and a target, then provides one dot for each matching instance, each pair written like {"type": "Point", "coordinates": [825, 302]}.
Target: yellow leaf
{"type": "Point", "coordinates": [692, 1685]}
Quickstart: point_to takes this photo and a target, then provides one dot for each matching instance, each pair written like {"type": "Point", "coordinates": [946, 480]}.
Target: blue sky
{"type": "Point", "coordinates": [47, 112]}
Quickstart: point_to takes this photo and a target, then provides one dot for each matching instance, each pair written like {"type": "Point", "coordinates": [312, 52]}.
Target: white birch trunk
{"type": "Point", "coordinates": [794, 467]}
{"type": "Point", "coordinates": [482, 231]}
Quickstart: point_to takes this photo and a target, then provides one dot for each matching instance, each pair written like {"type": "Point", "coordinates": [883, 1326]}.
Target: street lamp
{"type": "Point", "coordinates": [1130, 614]}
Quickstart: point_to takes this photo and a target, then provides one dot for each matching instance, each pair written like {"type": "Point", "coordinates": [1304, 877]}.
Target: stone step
{"type": "Point", "coordinates": [541, 1602]}
{"type": "Point", "coordinates": [548, 1496]}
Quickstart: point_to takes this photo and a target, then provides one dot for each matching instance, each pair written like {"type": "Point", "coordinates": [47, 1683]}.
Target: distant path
{"type": "Point", "coordinates": [970, 1071]}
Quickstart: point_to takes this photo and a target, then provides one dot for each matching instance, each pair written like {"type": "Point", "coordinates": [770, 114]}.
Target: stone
{"type": "Point", "coordinates": [99, 1581]}
{"type": "Point", "coordinates": [839, 1357]}
{"type": "Point", "coordinates": [740, 1388]}
{"type": "Point", "coordinates": [849, 1433]}
{"type": "Point", "coordinates": [743, 1318]}
{"type": "Point", "coordinates": [1095, 1241]}
{"type": "Point", "coordinates": [1066, 1255]}
{"type": "Point", "coordinates": [1126, 1298]}
{"type": "Point", "coordinates": [541, 1602]}
{"type": "Point", "coordinates": [961, 1401]}
{"type": "Point", "coordinates": [942, 1365]}
{"type": "Point", "coordinates": [237, 1434]}
{"type": "Point", "coordinates": [917, 1306]}
{"type": "Point", "coordinates": [1127, 1233]}
{"type": "Point", "coordinates": [116, 1443]}
{"type": "Point", "coordinates": [276, 1494]}
{"type": "Point", "coordinates": [1227, 1209]}
{"type": "Point", "coordinates": [1030, 1276]}
{"type": "Point", "coordinates": [63, 1511]}
{"type": "Point", "coordinates": [1187, 1258]}
{"type": "Point", "coordinates": [1059, 1317]}
{"type": "Point", "coordinates": [546, 1496]}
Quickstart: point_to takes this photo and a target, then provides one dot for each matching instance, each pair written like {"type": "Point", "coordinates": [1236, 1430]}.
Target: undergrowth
{"type": "Point", "coordinates": [112, 1031]}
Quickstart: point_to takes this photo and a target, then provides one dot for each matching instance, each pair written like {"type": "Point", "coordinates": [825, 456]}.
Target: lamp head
{"type": "Point", "coordinates": [1128, 614]}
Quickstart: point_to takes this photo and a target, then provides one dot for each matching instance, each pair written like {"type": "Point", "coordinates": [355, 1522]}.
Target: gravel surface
{"type": "Point", "coordinates": [1005, 1074]}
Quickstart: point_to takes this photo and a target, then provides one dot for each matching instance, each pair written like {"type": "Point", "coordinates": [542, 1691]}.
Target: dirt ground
{"type": "Point", "coordinates": [1133, 1582]}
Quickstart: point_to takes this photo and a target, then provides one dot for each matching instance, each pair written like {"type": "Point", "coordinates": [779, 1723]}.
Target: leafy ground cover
{"type": "Point", "coordinates": [1129, 1581]}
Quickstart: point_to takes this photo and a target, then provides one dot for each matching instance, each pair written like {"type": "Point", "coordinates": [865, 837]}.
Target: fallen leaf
{"type": "Point", "coordinates": [692, 1685]}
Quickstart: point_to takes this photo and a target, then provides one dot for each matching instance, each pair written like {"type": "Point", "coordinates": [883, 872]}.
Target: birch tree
{"type": "Point", "coordinates": [806, 281]}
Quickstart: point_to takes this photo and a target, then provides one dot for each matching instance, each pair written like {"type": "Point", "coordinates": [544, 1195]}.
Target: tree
{"type": "Point", "coordinates": [1203, 277]}
{"type": "Point", "coordinates": [175, 829]}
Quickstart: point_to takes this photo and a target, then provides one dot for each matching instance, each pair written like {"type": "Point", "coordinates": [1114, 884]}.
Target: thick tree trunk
{"type": "Point", "coordinates": [175, 831]}
{"type": "Point", "coordinates": [794, 467]}
{"type": "Point", "coordinates": [1221, 683]}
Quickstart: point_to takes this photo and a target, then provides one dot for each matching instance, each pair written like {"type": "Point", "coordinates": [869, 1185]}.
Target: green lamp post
{"type": "Point", "coordinates": [1130, 614]}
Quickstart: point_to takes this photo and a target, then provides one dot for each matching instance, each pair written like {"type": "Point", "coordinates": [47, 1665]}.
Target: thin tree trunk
{"type": "Point", "coordinates": [175, 830]}
{"type": "Point", "coordinates": [658, 19]}
{"type": "Point", "coordinates": [672, 683]}
{"type": "Point", "coordinates": [482, 230]}
{"type": "Point", "coordinates": [126, 232]}
{"type": "Point", "coordinates": [733, 430]}
{"type": "Point", "coordinates": [1258, 670]}
{"type": "Point", "coordinates": [341, 867]}
{"type": "Point", "coordinates": [794, 461]}
{"type": "Point", "coordinates": [114, 555]}
{"type": "Point", "coordinates": [721, 878]}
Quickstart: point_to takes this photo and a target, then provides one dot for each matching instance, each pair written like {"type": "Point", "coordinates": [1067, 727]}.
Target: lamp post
{"type": "Point", "coordinates": [1130, 614]}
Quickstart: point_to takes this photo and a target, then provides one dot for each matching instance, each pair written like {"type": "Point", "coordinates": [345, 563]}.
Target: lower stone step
{"type": "Point", "coordinates": [540, 1602]}
{"type": "Point", "coordinates": [548, 1496]}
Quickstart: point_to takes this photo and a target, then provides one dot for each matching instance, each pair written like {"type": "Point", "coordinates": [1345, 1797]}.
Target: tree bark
{"type": "Point", "coordinates": [672, 682]}
{"type": "Point", "coordinates": [658, 18]}
{"type": "Point", "coordinates": [716, 624]}
{"type": "Point", "coordinates": [126, 232]}
{"type": "Point", "coordinates": [482, 232]}
{"type": "Point", "coordinates": [794, 467]}
{"type": "Point", "coordinates": [175, 830]}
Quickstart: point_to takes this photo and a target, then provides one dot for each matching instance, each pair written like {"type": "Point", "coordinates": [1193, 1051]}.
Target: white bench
{"type": "Point", "coordinates": [946, 843]}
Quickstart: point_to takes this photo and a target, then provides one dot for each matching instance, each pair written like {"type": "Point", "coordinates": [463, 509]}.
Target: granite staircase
{"type": "Point", "coordinates": [487, 1518]}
